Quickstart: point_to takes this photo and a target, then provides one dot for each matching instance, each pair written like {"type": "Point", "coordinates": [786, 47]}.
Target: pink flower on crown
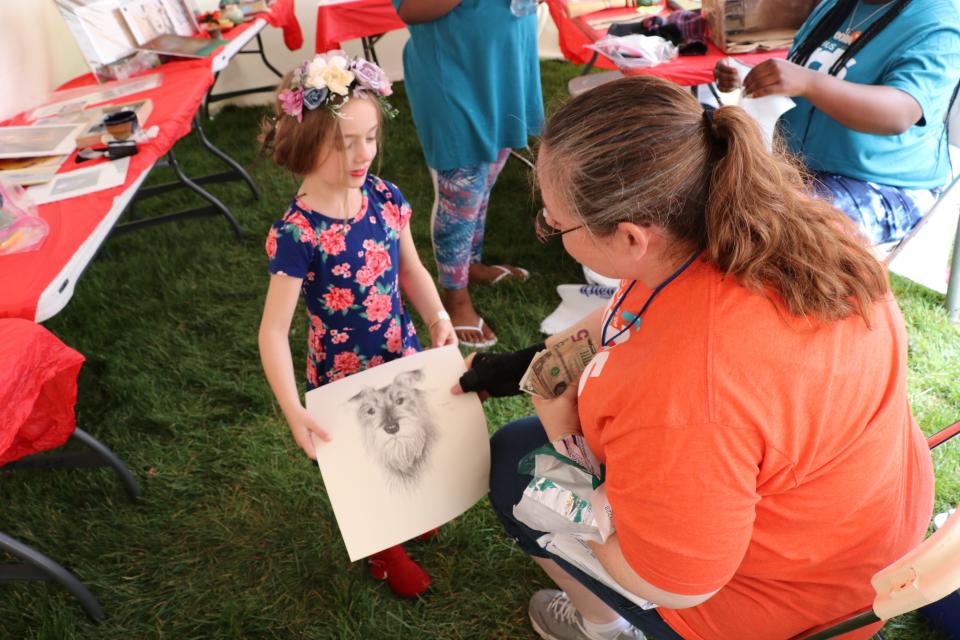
{"type": "Point", "coordinates": [291, 103]}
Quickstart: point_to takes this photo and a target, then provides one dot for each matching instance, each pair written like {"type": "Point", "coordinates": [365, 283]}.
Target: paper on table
{"type": "Point", "coordinates": [767, 110]}
{"type": "Point", "coordinates": [71, 184]}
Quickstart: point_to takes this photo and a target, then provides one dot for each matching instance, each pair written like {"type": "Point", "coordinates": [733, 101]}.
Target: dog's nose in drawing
{"type": "Point", "coordinates": [391, 428]}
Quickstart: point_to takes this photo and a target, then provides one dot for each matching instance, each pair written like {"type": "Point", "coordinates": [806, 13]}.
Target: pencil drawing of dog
{"type": "Point", "coordinates": [397, 427]}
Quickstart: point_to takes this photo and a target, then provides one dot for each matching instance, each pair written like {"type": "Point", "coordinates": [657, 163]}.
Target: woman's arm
{"type": "Point", "coordinates": [866, 108]}
{"type": "Point", "coordinates": [274, 340]}
{"type": "Point", "coordinates": [416, 283]}
{"type": "Point", "coordinates": [611, 558]}
{"type": "Point", "coordinates": [420, 11]}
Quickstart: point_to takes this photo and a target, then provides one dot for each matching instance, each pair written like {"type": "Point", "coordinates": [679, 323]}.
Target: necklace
{"type": "Point", "coordinates": [636, 319]}
{"type": "Point", "coordinates": [849, 31]}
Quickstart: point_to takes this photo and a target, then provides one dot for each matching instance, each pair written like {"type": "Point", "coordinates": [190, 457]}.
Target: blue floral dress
{"type": "Point", "coordinates": [350, 281]}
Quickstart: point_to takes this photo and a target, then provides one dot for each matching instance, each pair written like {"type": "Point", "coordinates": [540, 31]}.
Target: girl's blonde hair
{"type": "Point", "coordinates": [643, 150]}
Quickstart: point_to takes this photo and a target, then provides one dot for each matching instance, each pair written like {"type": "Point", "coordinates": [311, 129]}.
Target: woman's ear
{"type": "Point", "coordinates": [632, 240]}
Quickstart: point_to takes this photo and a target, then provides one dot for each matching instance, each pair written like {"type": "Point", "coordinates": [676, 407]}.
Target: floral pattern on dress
{"type": "Point", "coordinates": [350, 282]}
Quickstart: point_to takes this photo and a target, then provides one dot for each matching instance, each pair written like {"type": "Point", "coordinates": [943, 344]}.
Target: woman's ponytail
{"type": "Point", "coordinates": [765, 228]}
{"type": "Point", "coordinates": [644, 150]}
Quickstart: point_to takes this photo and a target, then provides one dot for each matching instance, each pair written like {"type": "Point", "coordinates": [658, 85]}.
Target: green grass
{"type": "Point", "coordinates": [235, 538]}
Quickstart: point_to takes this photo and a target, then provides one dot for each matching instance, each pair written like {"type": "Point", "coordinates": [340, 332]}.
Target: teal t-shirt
{"type": "Point", "coordinates": [473, 81]}
{"type": "Point", "coordinates": [918, 53]}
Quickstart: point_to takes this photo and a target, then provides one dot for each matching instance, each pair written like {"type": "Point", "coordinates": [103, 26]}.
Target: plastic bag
{"type": "Point", "coordinates": [566, 494]}
{"type": "Point", "coordinates": [635, 50]}
{"type": "Point", "coordinates": [21, 229]}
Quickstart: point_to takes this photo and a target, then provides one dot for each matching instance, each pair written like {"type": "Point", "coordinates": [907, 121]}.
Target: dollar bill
{"type": "Point", "coordinates": [553, 370]}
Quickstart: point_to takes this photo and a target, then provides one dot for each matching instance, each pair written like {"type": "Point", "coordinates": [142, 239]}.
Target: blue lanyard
{"type": "Point", "coordinates": [603, 332]}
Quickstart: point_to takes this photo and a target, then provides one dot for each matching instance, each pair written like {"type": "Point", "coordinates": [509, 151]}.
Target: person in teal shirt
{"type": "Point", "coordinates": [873, 81]}
{"type": "Point", "coordinates": [473, 81]}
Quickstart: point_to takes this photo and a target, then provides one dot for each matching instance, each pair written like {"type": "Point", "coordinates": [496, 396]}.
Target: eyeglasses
{"type": "Point", "coordinates": [545, 231]}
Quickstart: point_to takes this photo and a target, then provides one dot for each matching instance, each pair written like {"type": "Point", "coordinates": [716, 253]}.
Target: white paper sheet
{"type": "Point", "coordinates": [767, 110]}
{"type": "Point", "coordinates": [72, 184]}
{"type": "Point", "coordinates": [405, 454]}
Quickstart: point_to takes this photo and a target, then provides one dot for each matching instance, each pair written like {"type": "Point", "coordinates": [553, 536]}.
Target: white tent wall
{"type": "Point", "coordinates": [38, 53]}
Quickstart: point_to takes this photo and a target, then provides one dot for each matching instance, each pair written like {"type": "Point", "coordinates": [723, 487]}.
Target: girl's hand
{"type": "Point", "coordinates": [559, 415]}
{"type": "Point", "coordinates": [301, 426]}
{"type": "Point", "coordinates": [777, 77]}
{"type": "Point", "coordinates": [728, 79]}
{"type": "Point", "coordinates": [442, 333]}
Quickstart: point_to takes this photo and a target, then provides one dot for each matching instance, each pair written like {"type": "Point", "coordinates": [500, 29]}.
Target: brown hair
{"type": "Point", "coordinates": [643, 150]}
{"type": "Point", "coordinates": [296, 146]}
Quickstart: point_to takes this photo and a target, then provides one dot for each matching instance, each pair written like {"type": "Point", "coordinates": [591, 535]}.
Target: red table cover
{"type": "Point", "coordinates": [282, 16]}
{"type": "Point", "coordinates": [72, 221]}
{"type": "Point", "coordinates": [683, 70]}
{"type": "Point", "coordinates": [349, 20]}
{"type": "Point", "coordinates": [38, 389]}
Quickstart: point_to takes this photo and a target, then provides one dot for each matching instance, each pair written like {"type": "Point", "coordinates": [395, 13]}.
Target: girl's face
{"type": "Point", "coordinates": [359, 126]}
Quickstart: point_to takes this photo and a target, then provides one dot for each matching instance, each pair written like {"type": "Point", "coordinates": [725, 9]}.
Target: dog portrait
{"type": "Point", "coordinates": [397, 427]}
{"type": "Point", "coordinates": [405, 454]}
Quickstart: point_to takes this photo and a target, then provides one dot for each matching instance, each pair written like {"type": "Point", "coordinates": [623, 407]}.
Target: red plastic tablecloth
{"type": "Point", "coordinates": [349, 20]}
{"type": "Point", "coordinates": [683, 70]}
{"type": "Point", "coordinates": [38, 389]}
{"type": "Point", "coordinates": [72, 221]}
{"type": "Point", "coordinates": [282, 16]}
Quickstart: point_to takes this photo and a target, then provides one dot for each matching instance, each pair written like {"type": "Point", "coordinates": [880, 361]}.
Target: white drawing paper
{"type": "Point", "coordinates": [71, 184]}
{"type": "Point", "coordinates": [766, 110]}
{"type": "Point", "coordinates": [405, 455]}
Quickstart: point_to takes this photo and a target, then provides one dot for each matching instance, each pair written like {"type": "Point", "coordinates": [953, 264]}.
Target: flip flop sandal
{"type": "Point", "coordinates": [481, 344]}
{"type": "Point", "coordinates": [507, 273]}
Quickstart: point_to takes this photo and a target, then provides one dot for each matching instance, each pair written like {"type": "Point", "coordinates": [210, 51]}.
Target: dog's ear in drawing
{"type": "Point", "coordinates": [409, 378]}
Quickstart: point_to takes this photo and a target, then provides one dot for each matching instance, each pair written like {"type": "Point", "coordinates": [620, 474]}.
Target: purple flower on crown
{"type": "Point", "coordinates": [291, 102]}
{"type": "Point", "coordinates": [371, 77]}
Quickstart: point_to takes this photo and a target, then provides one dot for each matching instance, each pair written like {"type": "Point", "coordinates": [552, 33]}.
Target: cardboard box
{"type": "Point", "coordinates": [742, 26]}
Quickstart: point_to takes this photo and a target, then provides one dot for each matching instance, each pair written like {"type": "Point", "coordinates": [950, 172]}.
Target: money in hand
{"type": "Point", "coordinates": [553, 370]}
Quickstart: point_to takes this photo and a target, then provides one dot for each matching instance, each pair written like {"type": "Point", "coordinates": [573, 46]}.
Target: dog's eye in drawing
{"type": "Point", "coordinates": [371, 411]}
{"type": "Point", "coordinates": [400, 400]}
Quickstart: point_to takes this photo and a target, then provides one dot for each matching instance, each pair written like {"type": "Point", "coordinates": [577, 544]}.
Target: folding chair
{"type": "Point", "coordinates": [911, 258]}
{"type": "Point", "coordinates": [926, 574]}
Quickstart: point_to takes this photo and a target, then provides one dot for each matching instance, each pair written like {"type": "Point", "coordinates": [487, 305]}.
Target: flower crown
{"type": "Point", "coordinates": [328, 79]}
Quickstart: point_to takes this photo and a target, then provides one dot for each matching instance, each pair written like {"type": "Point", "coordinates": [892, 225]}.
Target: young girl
{"type": "Point", "coordinates": [345, 244]}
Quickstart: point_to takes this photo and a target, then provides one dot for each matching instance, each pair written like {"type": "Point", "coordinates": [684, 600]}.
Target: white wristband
{"type": "Point", "coordinates": [441, 315]}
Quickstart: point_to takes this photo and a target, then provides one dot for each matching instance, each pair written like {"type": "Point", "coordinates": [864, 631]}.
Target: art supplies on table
{"type": "Point", "coordinates": [21, 229]}
{"type": "Point", "coordinates": [83, 97]}
{"type": "Point", "coordinates": [72, 184]}
{"type": "Point", "coordinates": [182, 46]}
{"type": "Point", "coordinates": [94, 132]}
{"type": "Point", "coordinates": [40, 140]}
{"type": "Point", "coordinates": [29, 171]}
{"type": "Point", "coordinates": [577, 8]}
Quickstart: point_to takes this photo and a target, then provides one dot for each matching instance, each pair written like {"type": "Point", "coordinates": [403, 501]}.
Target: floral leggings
{"type": "Point", "coordinates": [459, 214]}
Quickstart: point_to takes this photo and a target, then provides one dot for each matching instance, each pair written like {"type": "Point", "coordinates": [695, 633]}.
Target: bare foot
{"type": "Point", "coordinates": [492, 274]}
{"type": "Point", "coordinates": [458, 304]}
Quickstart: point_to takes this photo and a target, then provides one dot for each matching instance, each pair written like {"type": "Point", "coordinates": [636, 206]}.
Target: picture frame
{"type": "Point", "coordinates": [38, 140]}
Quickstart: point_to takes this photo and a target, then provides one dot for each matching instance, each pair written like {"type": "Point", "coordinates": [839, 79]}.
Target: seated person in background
{"type": "Point", "coordinates": [872, 81]}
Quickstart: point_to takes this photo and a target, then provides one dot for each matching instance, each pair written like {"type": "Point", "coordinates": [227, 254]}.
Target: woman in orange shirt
{"type": "Point", "coordinates": [749, 396]}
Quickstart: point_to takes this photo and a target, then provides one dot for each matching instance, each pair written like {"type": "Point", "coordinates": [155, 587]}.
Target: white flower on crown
{"type": "Point", "coordinates": [330, 71]}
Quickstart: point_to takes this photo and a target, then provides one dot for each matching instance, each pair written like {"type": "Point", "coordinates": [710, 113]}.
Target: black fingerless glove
{"type": "Point", "coordinates": [499, 373]}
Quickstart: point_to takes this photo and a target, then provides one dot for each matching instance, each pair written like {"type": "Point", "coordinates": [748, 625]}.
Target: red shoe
{"type": "Point", "coordinates": [404, 576]}
{"type": "Point", "coordinates": [428, 535]}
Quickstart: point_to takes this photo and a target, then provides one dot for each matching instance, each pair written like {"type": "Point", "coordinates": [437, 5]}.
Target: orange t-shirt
{"type": "Point", "coordinates": [749, 451]}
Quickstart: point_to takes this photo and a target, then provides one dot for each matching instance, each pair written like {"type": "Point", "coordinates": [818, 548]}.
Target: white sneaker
{"type": "Point", "coordinates": [554, 617]}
